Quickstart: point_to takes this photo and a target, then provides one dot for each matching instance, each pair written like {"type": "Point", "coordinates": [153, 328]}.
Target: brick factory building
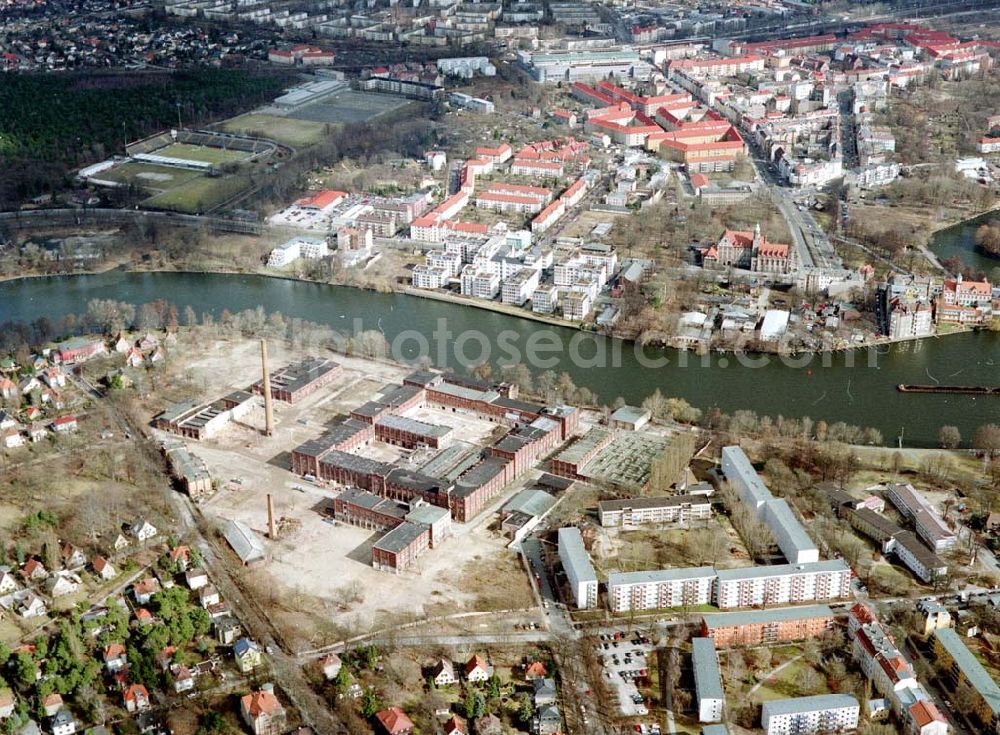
{"type": "Point", "coordinates": [298, 380]}
{"type": "Point", "coordinates": [399, 548]}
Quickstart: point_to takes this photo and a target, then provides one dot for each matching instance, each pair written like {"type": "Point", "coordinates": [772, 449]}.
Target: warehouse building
{"type": "Point", "coordinates": [399, 548]}
{"type": "Point", "coordinates": [298, 380]}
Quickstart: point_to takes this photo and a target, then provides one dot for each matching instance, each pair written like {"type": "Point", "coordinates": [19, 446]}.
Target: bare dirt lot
{"type": "Point", "coordinates": [324, 567]}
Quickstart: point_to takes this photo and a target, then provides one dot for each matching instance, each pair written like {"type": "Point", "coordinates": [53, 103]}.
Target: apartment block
{"type": "Point", "coordinates": [656, 590]}
{"type": "Point", "coordinates": [646, 510]}
{"type": "Point", "coordinates": [782, 584]}
{"type": "Point", "coordinates": [962, 667]}
{"type": "Point", "coordinates": [707, 680]}
{"type": "Point", "coordinates": [767, 627]}
{"type": "Point", "coordinates": [579, 571]}
{"type": "Point", "coordinates": [807, 715]}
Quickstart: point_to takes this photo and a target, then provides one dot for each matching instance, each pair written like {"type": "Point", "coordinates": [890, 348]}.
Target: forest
{"type": "Point", "coordinates": [50, 125]}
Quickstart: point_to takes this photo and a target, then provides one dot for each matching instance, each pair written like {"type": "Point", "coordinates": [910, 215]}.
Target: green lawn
{"type": "Point", "coordinates": [296, 133]}
{"type": "Point", "coordinates": [201, 153]}
{"type": "Point", "coordinates": [200, 194]}
{"type": "Point", "coordinates": [148, 175]}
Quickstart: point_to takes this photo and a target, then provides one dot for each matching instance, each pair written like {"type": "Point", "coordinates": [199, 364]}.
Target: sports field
{"type": "Point", "coordinates": [149, 176]}
{"type": "Point", "coordinates": [296, 133]}
{"type": "Point", "coordinates": [202, 153]}
{"type": "Point", "coordinates": [200, 194]}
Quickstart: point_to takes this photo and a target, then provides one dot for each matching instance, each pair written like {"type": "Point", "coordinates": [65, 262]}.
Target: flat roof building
{"type": "Point", "coordinates": [666, 588]}
{"type": "Point", "coordinates": [744, 478]}
{"type": "Point", "coordinates": [782, 584]}
{"type": "Point", "coordinates": [962, 667]}
{"type": "Point", "coordinates": [806, 715]}
{"type": "Point", "coordinates": [792, 538]}
{"type": "Point", "coordinates": [767, 627]}
{"type": "Point", "coordinates": [579, 570]}
{"type": "Point", "coordinates": [707, 680]}
{"type": "Point", "coordinates": [646, 510]}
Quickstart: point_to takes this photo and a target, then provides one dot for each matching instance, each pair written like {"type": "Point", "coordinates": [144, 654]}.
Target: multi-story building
{"type": "Point", "coordinates": [923, 562]}
{"type": "Point", "coordinates": [751, 251]}
{"type": "Point", "coordinates": [368, 510]}
{"type": "Point", "coordinates": [807, 715]}
{"type": "Point", "coordinates": [767, 627]}
{"type": "Point", "coordinates": [576, 305]}
{"type": "Point", "coordinates": [780, 584]}
{"type": "Point", "coordinates": [792, 538]}
{"type": "Point", "coordinates": [914, 506]}
{"type": "Point", "coordinates": [480, 284]}
{"type": "Point", "coordinates": [428, 276]}
{"type": "Point", "coordinates": [709, 695]}
{"type": "Point", "coordinates": [300, 379]}
{"type": "Point", "coordinates": [519, 287]}
{"type": "Point", "coordinates": [399, 548]}
{"type": "Point", "coordinates": [965, 302]}
{"type": "Point", "coordinates": [646, 510]}
{"type": "Point", "coordinates": [576, 563]}
{"type": "Point", "coordinates": [963, 668]}
{"type": "Point", "coordinates": [667, 588]}
{"type": "Point", "coordinates": [739, 473]}
{"type": "Point", "coordinates": [545, 299]}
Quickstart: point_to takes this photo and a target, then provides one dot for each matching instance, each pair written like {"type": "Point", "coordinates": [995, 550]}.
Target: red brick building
{"type": "Point", "coordinates": [298, 380]}
{"type": "Point", "coordinates": [766, 627]}
{"type": "Point", "coordinates": [344, 437]}
{"type": "Point", "coordinates": [399, 548]}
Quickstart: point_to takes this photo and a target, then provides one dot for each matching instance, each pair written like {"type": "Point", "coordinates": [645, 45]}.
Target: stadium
{"type": "Point", "coordinates": [194, 171]}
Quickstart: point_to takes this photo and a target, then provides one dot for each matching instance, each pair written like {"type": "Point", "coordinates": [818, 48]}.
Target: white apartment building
{"type": "Point", "coordinates": [545, 300]}
{"type": "Point", "coordinates": [509, 203]}
{"type": "Point", "coordinates": [743, 477]}
{"type": "Point", "coordinates": [518, 288]}
{"type": "Point", "coordinates": [707, 680]}
{"type": "Point", "coordinates": [480, 284]}
{"type": "Point", "coordinates": [807, 715]}
{"type": "Point", "coordinates": [313, 248]}
{"type": "Point", "coordinates": [780, 584]}
{"type": "Point", "coordinates": [450, 262]}
{"type": "Point", "coordinates": [429, 276]}
{"type": "Point", "coordinates": [645, 510]}
{"type": "Point", "coordinates": [579, 571]}
{"type": "Point", "coordinates": [576, 305]}
{"type": "Point", "coordinates": [660, 589]}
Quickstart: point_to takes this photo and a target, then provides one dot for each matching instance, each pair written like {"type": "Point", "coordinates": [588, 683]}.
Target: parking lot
{"type": "Point", "coordinates": [626, 662]}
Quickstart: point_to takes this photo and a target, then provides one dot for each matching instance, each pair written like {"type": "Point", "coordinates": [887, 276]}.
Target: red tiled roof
{"type": "Point", "coordinates": [394, 720]}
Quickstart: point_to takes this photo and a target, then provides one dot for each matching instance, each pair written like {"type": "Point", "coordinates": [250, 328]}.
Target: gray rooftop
{"type": "Point", "coordinates": [400, 537]}
{"type": "Point", "coordinates": [741, 469]}
{"type": "Point", "coordinates": [707, 680]}
{"type": "Point", "coordinates": [244, 541]}
{"type": "Point", "coordinates": [574, 554]}
{"type": "Point", "coordinates": [630, 414]}
{"type": "Point", "coordinates": [413, 426]}
{"type": "Point", "coordinates": [715, 730]}
{"type": "Point", "coordinates": [808, 704]}
{"type": "Point", "coordinates": [829, 565]}
{"type": "Point", "coordinates": [574, 453]}
{"type": "Point", "coordinates": [978, 678]}
{"type": "Point", "coordinates": [532, 501]}
{"type": "Point", "coordinates": [780, 515]}
{"type": "Point", "coordinates": [427, 514]}
{"type": "Point", "coordinates": [660, 575]}
{"type": "Point", "coordinates": [749, 617]}
{"type": "Point", "coordinates": [664, 501]}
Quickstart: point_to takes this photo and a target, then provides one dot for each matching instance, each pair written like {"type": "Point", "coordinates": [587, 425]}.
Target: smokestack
{"type": "Point", "coordinates": [268, 408]}
{"type": "Point", "coordinates": [271, 530]}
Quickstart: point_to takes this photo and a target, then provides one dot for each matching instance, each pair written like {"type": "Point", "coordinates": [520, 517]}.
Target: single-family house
{"type": "Point", "coordinates": [121, 344]}
{"type": "Point", "coordinates": [8, 582]}
{"type": "Point", "coordinates": [31, 606]}
{"type": "Point", "coordinates": [120, 543]}
{"type": "Point", "coordinates": [7, 703]}
{"type": "Point", "coordinates": [142, 530]}
{"type": "Point", "coordinates": [544, 692]}
{"type": "Point", "coordinates": [33, 570]}
{"type": "Point", "coordinates": [13, 438]}
{"type": "Point", "coordinates": [183, 678]}
{"type": "Point", "coordinates": [331, 665]}
{"type": "Point", "coordinates": [477, 670]}
{"type": "Point", "coordinates": [104, 569]}
{"type": "Point", "coordinates": [64, 425]}
{"type": "Point", "coordinates": [548, 720]}
{"type": "Point", "coordinates": [143, 616]}
{"type": "Point", "coordinates": [227, 630]}
{"type": "Point", "coordinates": [29, 385]}
{"type": "Point", "coordinates": [115, 658]}
{"type": "Point", "coordinates": [394, 721]}
{"type": "Point", "coordinates": [208, 595]}
{"type": "Point", "coordinates": [263, 712]}
{"type": "Point", "coordinates": [136, 698]}
{"type": "Point", "coordinates": [37, 431]}
{"type": "Point", "coordinates": [134, 357]}
{"type": "Point", "coordinates": [455, 726]}
{"type": "Point", "coordinates": [62, 723]}
{"type": "Point", "coordinates": [73, 557]}
{"type": "Point", "coordinates": [145, 588]}
{"type": "Point", "coordinates": [181, 556]}
{"type": "Point", "coordinates": [52, 704]}
{"type": "Point", "coordinates": [196, 578]}
{"type": "Point", "coordinates": [8, 389]}
{"type": "Point", "coordinates": [165, 658]}
{"type": "Point", "coordinates": [62, 583]}
{"type": "Point", "coordinates": [31, 413]}
{"type": "Point", "coordinates": [247, 654]}
{"type": "Point", "coordinates": [443, 673]}
{"type": "Point", "coordinates": [148, 341]}
{"type": "Point", "coordinates": [535, 670]}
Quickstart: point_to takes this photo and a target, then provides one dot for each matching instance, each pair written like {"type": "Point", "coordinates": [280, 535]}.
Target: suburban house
{"type": "Point", "coordinates": [34, 570]}
{"type": "Point", "coordinates": [489, 725]}
{"type": "Point", "coordinates": [183, 678]}
{"type": "Point", "coordinates": [136, 698]}
{"type": "Point", "coordinates": [104, 569]}
{"type": "Point", "coordinates": [476, 670]}
{"type": "Point", "coordinates": [443, 673]}
{"type": "Point", "coordinates": [8, 582]}
{"type": "Point", "coordinates": [62, 723]}
{"type": "Point", "coordinates": [196, 578]}
{"type": "Point", "coordinates": [64, 424]}
{"type": "Point", "coordinates": [115, 658]}
{"type": "Point", "coordinates": [331, 665]}
{"type": "Point", "coordinates": [263, 712]}
{"type": "Point", "coordinates": [535, 670]}
{"type": "Point", "coordinates": [544, 692]}
{"type": "Point", "coordinates": [73, 557]}
{"type": "Point", "coordinates": [144, 589]}
{"type": "Point", "coordinates": [52, 704]}
{"type": "Point", "coordinates": [62, 583]}
{"type": "Point", "coordinates": [247, 654]}
{"type": "Point", "coordinates": [393, 721]}
{"type": "Point", "coordinates": [548, 720]}
{"type": "Point", "coordinates": [142, 530]}
{"type": "Point", "coordinates": [454, 726]}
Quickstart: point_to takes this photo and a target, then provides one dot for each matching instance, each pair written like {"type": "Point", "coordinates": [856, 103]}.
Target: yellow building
{"type": "Point", "coordinates": [955, 659]}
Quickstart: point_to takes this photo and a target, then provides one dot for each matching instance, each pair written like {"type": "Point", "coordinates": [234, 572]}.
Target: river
{"type": "Point", "coordinates": [959, 241]}
{"type": "Point", "coordinates": [862, 394]}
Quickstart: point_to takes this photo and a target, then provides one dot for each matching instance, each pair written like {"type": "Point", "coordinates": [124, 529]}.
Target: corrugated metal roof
{"type": "Point", "coordinates": [244, 541]}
